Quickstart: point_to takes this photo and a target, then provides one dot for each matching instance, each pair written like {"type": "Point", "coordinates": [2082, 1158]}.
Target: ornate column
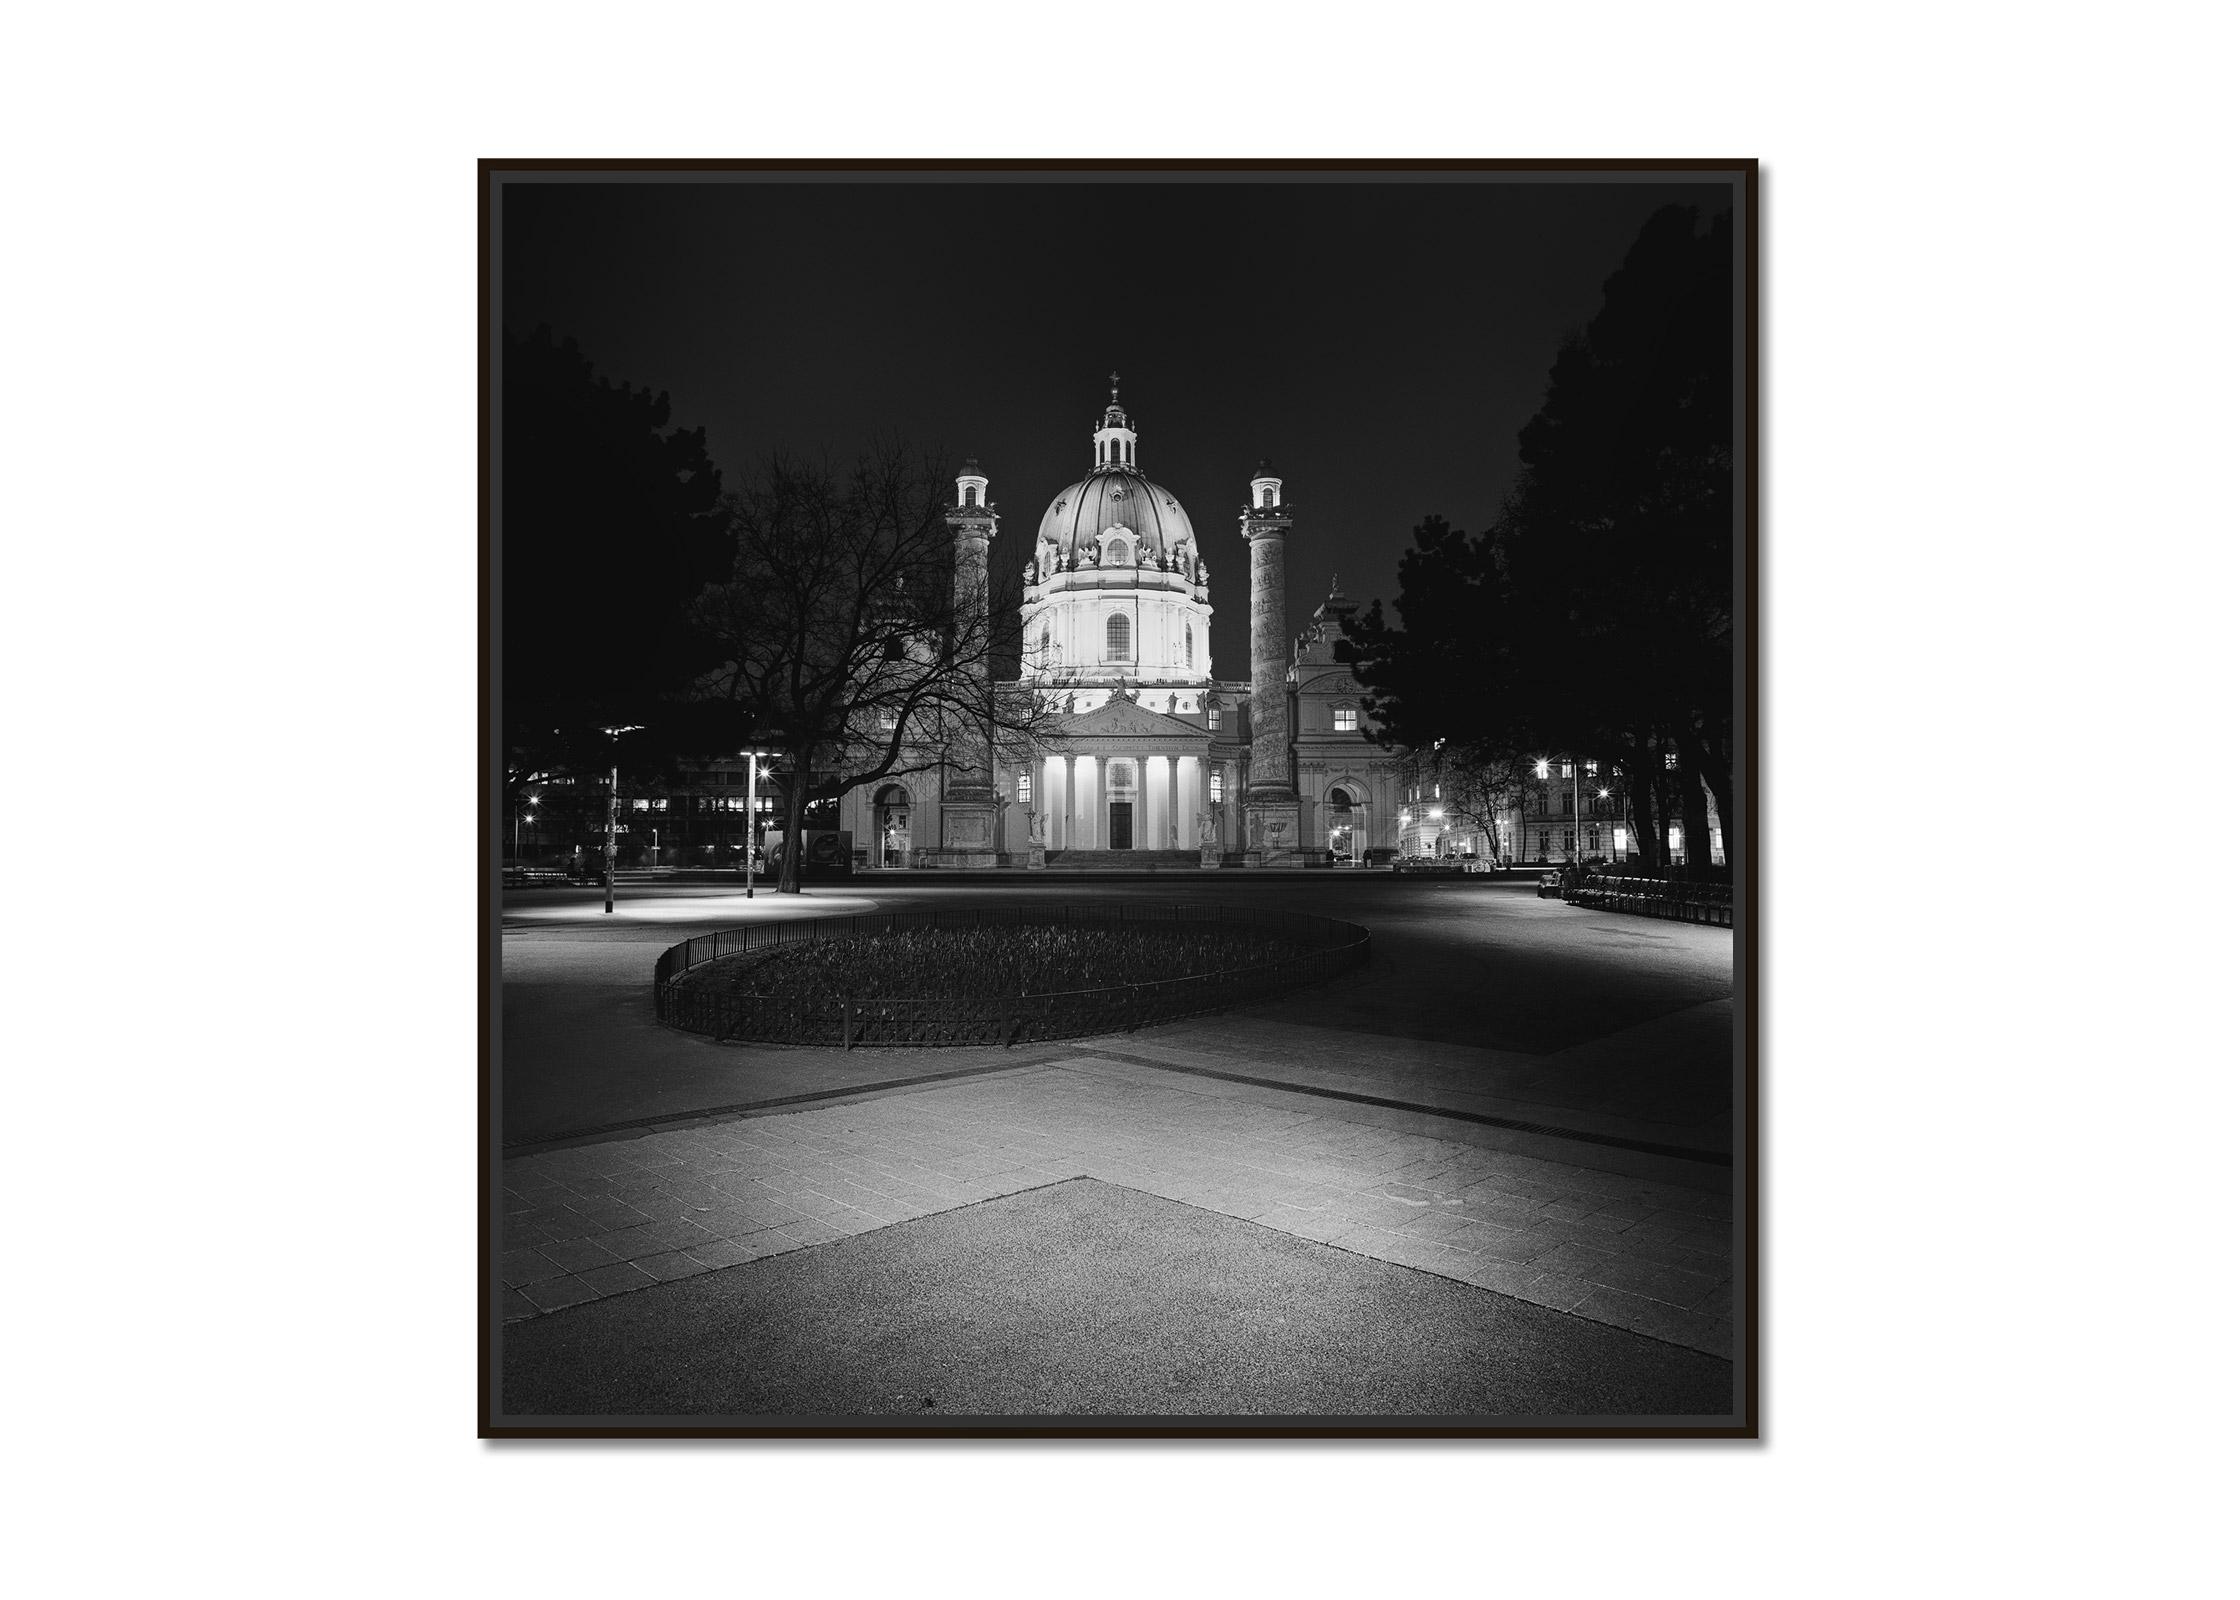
{"type": "Point", "coordinates": [1174, 795]}
{"type": "Point", "coordinates": [1100, 807]}
{"type": "Point", "coordinates": [1038, 810]}
{"type": "Point", "coordinates": [1073, 804]}
{"type": "Point", "coordinates": [1208, 821]}
{"type": "Point", "coordinates": [1271, 804]}
{"type": "Point", "coordinates": [968, 804]}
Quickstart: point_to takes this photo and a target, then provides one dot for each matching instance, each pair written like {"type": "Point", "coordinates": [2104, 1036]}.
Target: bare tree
{"type": "Point", "coordinates": [1483, 785]}
{"type": "Point", "coordinates": [856, 645]}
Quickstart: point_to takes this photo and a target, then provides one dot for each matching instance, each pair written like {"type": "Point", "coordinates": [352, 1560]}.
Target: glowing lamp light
{"type": "Point", "coordinates": [1436, 814]}
{"type": "Point", "coordinates": [1540, 768]}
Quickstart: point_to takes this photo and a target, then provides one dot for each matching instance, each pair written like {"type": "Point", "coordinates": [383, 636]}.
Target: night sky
{"type": "Point", "coordinates": [1380, 343]}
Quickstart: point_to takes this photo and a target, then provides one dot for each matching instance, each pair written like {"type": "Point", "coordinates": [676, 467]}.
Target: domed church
{"type": "Point", "coordinates": [1149, 760]}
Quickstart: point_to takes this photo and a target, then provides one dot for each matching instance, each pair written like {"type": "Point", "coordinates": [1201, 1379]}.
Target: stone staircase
{"type": "Point", "coordinates": [1122, 861]}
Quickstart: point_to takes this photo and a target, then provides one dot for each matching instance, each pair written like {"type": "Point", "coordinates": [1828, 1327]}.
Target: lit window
{"type": "Point", "coordinates": [1217, 788]}
{"type": "Point", "coordinates": [1026, 786]}
{"type": "Point", "coordinates": [1116, 637]}
{"type": "Point", "coordinates": [1213, 719]}
{"type": "Point", "coordinates": [641, 805]}
{"type": "Point", "coordinates": [1435, 792]}
{"type": "Point", "coordinates": [1593, 767]}
{"type": "Point", "coordinates": [1347, 719]}
{"type": "Point", "coordinates": [1671, 761]}
{"type": "Point", "coordinates": [1564, 771]}
{"type": "Point", "coordinates": [887, 720]}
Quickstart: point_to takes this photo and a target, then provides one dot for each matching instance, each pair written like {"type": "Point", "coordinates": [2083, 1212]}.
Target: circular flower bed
{"type": "Point", "coordinates": [1004, 975]}
{"type": "Point", "coordinates": [985, 963]}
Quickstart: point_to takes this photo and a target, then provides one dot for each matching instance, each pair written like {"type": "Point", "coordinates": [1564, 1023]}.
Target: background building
{"type": "Point", "coordinates": [1148, 755]}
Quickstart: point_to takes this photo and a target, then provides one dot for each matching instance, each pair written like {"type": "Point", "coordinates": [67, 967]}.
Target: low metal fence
{"type": "Point", "coordinates": [1711, 904]}
{"type": "Point", "coordinates": [1325, 947]}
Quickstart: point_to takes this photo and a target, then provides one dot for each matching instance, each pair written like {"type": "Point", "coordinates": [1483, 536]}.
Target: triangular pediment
{"type": "Point", "coordinates": [1123, 719]}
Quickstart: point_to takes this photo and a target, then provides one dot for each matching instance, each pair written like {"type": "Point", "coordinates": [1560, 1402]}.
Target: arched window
{"type": "Point", "coordinates": [1267, 496]}
{"type": "Point", "coordinates": [971, 495]}
{"type": "Point", "coordinates": [1116, 637]}
{"type": "Point", "coordinates": [1115, 553]}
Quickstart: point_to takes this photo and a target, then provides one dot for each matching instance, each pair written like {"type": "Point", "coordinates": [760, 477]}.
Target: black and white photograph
{"type": "Point", "coordinates": [1175, 799]}
{"type": "Point", "coordinates": [1119, 798]}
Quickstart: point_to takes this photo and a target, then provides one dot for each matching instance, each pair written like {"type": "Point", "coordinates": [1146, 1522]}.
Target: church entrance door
{"type": "Point", "coordinates": [1123, 825]}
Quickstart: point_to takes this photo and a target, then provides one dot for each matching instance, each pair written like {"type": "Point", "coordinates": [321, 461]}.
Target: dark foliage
{"type": "Point", "coordinates": [1596, 618]}
{"type": "Point", "coordinates": [610, 522]}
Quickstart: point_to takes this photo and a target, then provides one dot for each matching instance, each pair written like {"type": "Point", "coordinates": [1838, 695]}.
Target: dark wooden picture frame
{"type": "Point", "coordinates": [1737, 1152]}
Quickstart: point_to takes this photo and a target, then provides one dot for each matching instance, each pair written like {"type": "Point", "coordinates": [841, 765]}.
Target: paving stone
{"type": "Point", "coordinates": [722, 1253]}
{"type": "Point", "coordinates": [513, 1305]}
{"type": "Point", "coordinates": [1658, 1320]}
{"type": "Point", "coordinates": [670, 1265]}
{"type": "Point", "coordinates": [555, 1294]}
{"type": "Point", "coordinates": [575, 1255]}
{"type": "Point", "coordinates": [517, 1267]}
{"type": "Point", "coordinates": [617, 1277]}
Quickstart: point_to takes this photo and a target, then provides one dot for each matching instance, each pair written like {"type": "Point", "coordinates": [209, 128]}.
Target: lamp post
{"type": "Point", "coordinates": [1578, 817]}
{"type": "Point", "coordinates": [531, 806]}
{"type": "Point", "coordinates": [614, 791]}
{"type": "Point", "coordinates": [754, 759]}
{"type": "Point", "coordinates": [1540, 771]}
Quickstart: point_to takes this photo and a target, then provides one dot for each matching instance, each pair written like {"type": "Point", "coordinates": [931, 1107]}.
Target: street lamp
{"type": "Point", "coordinates": [517, 828]}
{"type": "Point", "coordinates": [754, 759]}
{"type": "Point", "coordinates": [614, 790]}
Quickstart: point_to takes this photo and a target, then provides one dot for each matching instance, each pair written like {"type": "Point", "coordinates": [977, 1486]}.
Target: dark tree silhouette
{"type": "Point", "coordinates": [1596, 618]}
{"type": "Point", "coordinates": [852, 645]}
{"type": "Point", "coordinates": [610, 522]}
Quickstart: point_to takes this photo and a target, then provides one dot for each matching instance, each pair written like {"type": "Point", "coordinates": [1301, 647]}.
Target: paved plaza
{"type": "Point", "coordinates": [1564, 1169]}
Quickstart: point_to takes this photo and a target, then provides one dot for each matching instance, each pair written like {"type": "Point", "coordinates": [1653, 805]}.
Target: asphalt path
{"type": "Point", "coordinates": [1088, 1299]}
{"type": "Point", "coordinates": [1467, 976]}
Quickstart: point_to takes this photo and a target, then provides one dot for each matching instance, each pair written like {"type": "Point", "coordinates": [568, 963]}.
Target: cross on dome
{"type": "Point", "coordinates": [1115, 440]}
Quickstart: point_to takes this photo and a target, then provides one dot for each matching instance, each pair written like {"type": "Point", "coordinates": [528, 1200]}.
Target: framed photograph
{"type": "Point", "coordinates": [1119, 799]}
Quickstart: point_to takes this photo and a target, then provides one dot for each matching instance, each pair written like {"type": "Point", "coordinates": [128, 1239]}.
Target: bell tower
{"type": "Point", "coordinates": [1271, 801]}
{"type": "Point", "coordinates": [969, 802]}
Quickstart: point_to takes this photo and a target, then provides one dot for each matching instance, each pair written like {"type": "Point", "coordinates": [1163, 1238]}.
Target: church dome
{"type": "Point", "coordinates": [1078, 517]}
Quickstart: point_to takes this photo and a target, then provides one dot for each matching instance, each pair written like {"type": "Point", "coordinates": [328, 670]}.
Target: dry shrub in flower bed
{"type": "Point", "coordinates": [981, 963]}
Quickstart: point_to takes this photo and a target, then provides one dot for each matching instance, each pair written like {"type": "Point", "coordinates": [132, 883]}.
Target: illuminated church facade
{"type": "Point", "coordinates": [1146, 758]}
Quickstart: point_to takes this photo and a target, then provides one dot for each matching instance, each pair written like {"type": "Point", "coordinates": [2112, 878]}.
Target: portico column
{"type": "Point", "coordinates": [1100, 813]}
{"type": "Point", "coordinates": [1072, 801]}
{"type": "Point", "coordinates": [1174, 794]}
